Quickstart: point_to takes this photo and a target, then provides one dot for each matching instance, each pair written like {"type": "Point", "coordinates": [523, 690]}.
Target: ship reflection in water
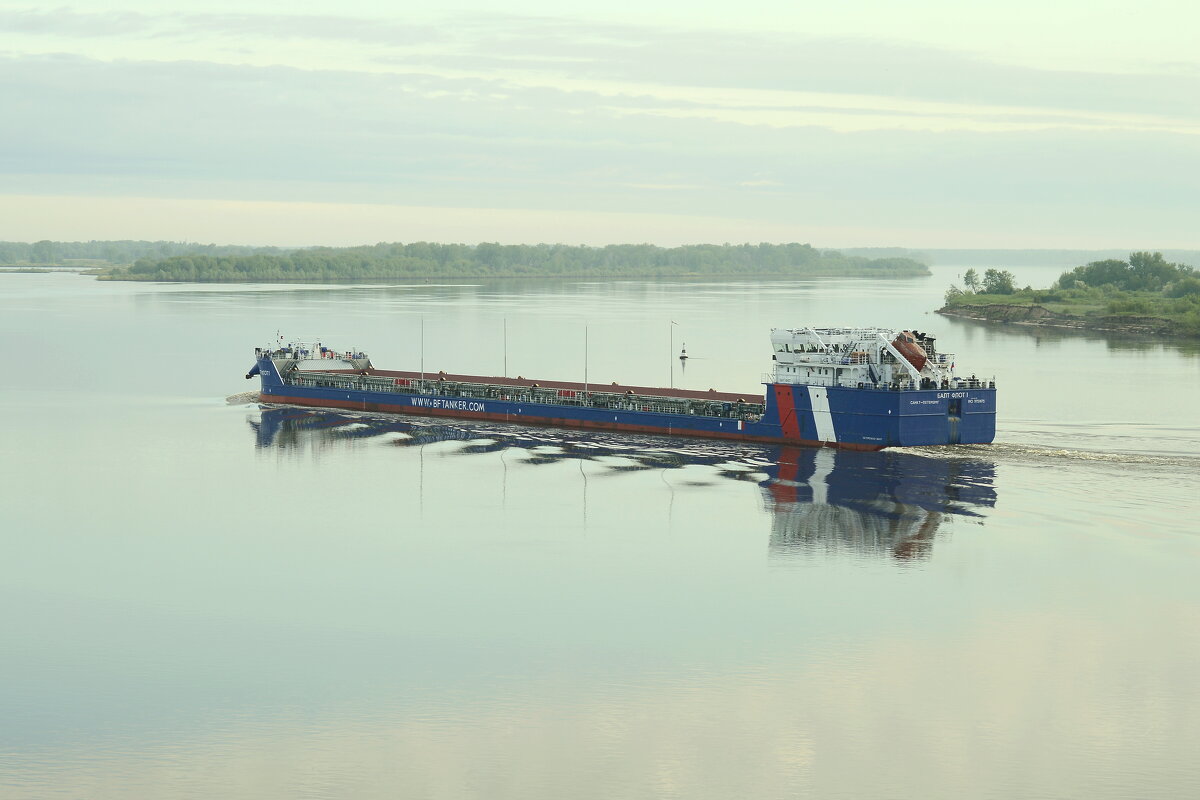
{"type": "Point", "coordinates": [889, 503]}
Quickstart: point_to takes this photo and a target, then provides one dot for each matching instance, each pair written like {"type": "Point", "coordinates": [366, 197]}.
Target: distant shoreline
{"type": "Point", "coordinates": [1011, 257]}
{"type": "Point", "coordinates": [689, 276]}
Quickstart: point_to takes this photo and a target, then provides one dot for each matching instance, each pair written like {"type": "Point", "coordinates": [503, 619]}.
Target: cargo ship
{"type": "Point", "coordinates": [848, 388]}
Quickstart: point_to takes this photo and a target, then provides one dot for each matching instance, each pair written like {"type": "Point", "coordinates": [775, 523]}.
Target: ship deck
{"type": "Point", "coordinates": [519, 381]}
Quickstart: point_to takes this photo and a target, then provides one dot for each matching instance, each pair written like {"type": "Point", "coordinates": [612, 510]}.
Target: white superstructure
{"type": "Point", "coordinates": [860, 357]}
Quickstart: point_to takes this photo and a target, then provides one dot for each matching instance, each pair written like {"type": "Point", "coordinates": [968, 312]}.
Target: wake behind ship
{"type": "Point", "coordinates": [851, 388]}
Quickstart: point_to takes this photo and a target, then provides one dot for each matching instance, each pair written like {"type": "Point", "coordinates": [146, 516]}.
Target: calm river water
{"type": "Point", "coordinates": [203, 598]}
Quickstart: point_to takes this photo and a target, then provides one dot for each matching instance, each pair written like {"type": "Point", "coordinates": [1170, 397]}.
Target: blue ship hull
{"type": "Point", "coordinates": [842, 417]}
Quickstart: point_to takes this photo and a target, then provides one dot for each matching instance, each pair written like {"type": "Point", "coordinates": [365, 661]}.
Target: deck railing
{"type": "Point", "coordinates": [906, 385]}
{"type": "Point", "coordinates": [857, 358]}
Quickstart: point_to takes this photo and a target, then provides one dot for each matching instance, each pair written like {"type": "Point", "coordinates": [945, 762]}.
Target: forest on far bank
{"type": "Point", "coordinates": [210, 263]}
{"type": "Point", "coordinates": [419, 260]}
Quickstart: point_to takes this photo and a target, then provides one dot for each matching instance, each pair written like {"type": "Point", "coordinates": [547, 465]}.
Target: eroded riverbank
{"type": "Point", "coordinates": [1040, 316]}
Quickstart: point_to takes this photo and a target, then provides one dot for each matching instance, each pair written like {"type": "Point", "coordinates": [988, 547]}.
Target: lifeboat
{"type": "Point", "coordinates": [906, 344]}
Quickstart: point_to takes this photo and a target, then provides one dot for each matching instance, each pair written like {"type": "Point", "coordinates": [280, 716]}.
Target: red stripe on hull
{"type": "Point", "coordinates": [554, 422]}
{"type": "Point", "coordinates": [786, 406]}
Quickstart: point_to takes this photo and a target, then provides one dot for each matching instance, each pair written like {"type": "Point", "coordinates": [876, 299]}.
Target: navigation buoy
{"type": "Point", "coordinates": [683, 353]}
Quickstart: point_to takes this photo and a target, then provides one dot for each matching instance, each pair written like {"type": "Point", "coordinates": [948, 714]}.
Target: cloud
{"type": "Point", "coordinates": [798, 64]}
{"type": "Point", "coordinates": [412, 138]}
{"type": "Point", "coordinates": [563, 51]}
{"type": "Point", "coordinates": [510, 113]}
{"type": "Point", "coordinates": [65, 22]}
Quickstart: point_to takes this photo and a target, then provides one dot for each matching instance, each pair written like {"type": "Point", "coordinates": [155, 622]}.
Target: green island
{"type": "Point", "coordinates": [171, 261]}
{"type": "Point", "coordinates": [420, 260]}
{"type": "Point", "coordinates": [1144, 295]}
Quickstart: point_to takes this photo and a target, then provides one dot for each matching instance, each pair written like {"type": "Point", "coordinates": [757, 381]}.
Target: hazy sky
{"type": "Point", "coordinates": [924, 123]}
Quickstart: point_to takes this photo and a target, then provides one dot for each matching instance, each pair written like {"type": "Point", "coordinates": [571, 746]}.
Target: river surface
{"type": "Point", "coordinates": [206, 598]}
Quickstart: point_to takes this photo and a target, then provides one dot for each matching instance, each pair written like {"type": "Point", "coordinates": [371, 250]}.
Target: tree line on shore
{"type": "Point", "coordinates": [396, 261]}
{"type": "Point", "coordinates": [1144, 285]}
